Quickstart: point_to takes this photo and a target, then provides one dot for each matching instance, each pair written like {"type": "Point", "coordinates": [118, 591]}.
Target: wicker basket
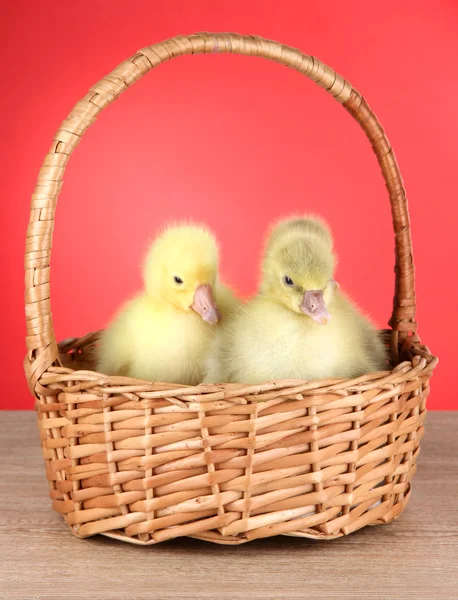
{"type": "Point", "coordinates": [146, 462]}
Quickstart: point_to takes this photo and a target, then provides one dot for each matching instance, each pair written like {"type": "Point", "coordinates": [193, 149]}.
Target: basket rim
{"type": "Point", "coordinates": [81, 381]}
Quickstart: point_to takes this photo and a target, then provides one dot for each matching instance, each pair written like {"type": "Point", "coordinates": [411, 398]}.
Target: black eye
{"type": "Point", "coordinates": [177, 280]}
{"type": "Point", "coordinates": [288, 281]}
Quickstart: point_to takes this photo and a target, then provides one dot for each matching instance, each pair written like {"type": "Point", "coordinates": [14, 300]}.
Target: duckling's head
{"type": "Point", "coordinates": [298, 267]}
{"type": "Point", "coordinates": [181, 269]}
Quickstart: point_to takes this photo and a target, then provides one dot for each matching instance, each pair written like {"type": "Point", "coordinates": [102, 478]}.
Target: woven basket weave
{"type": "Point", "coordinates": [146, 462]}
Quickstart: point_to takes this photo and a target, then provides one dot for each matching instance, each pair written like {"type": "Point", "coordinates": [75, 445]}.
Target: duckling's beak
{"type": "Point", "coordinates": [204, 304]}
{"type": "Point", "coordinates": [314, 306]}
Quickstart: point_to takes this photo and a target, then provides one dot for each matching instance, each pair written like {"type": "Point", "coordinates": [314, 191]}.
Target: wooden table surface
{"type": "Point", "coordinates": [414, 557]}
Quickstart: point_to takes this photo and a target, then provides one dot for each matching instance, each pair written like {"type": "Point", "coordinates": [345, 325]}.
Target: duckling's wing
{"type": "Point", "coordinates": [213, 367]}
{"type": "Point", "coordinates": [226, 300]}
{"type": "Point", "coordinates": [114, 355]}
{"type": "Point", "coordinates": [376, 351]}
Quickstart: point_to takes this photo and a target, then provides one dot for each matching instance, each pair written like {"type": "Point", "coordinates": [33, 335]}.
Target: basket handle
{"type": "Point", "coordinates": [41, 342]}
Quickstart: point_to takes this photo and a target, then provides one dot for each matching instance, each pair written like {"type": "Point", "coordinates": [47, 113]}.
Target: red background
{"type": "Point", "coordinates": [234, 141]}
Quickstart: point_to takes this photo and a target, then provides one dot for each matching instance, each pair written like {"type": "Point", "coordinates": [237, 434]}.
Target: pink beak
{"type": "Point", "coordinates": [314, 306]}
{"type": "Point", "coordinates": [204, 304]}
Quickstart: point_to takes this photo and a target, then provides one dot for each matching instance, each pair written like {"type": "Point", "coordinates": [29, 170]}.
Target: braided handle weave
{"type": "Point", "coordinates": [41, 342]}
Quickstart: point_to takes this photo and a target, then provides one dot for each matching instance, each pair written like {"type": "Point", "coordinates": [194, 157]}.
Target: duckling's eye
{"type": "Point", "coordinates": [178, 280]}
{"type": "Point", "coordinates": [288, 281]}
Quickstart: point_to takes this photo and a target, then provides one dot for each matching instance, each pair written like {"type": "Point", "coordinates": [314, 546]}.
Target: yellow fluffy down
{"type": "Point", "coordinates": [156, 336]}
{"type": "Point", "coordinates": [271, 338]}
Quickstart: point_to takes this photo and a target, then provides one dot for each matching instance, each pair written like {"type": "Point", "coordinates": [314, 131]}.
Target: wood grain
{"type": "Point", "coordinates": [414, 557]}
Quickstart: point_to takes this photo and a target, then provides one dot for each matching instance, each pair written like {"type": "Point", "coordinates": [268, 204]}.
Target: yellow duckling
{"type": "Point", "coordinates": [299, 325]}
{"type": "Point", "coordinates": [162, 333]}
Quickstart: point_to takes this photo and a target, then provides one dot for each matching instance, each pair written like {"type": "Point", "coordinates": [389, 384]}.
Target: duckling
{"type": "Point", "coordinates": [300, 325]}
{"type": "Point", "coordinates": [163, 332]}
